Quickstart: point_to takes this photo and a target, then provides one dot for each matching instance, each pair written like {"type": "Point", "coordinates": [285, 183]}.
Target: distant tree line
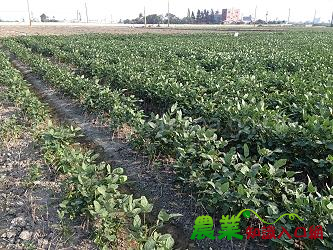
{"type": "Point", "coordinates": [201, 17]}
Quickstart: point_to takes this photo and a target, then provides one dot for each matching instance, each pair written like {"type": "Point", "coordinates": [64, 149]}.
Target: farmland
{"type": "Point", "coordinates": [243, 122]}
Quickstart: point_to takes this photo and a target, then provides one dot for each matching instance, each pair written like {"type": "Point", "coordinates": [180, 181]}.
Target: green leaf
{"type": "Point", "coordinates": [101, 190]}
{"type": "Point", "coordinates": [123, 178]}
{"type": "Point", "coordinates": [246, 151]}
{"type": "Point", "coordinates": [110, 237]}
{"type": "Point", "coordinates": [97, 206]}
{"type": "Point", "coordinates": [272, 169]}
{"type": "Point", "coordinates": [228, 157]}
{"type": "Point", "coordinates": [269, 210]}
{"type": "Point", "coordinates": [144, 201]}
{"type": "Point", "coordinates": [169, 243]}
{"type": "Point", "coordinates": [136, 211]}
{"type": "Point", "coordinates": [168, 240]}
{"type": "Point", "coordinates": [240, 189]}
{"type": "Point", "coordinates": [280, 163]}
{"type": "Point", "coordinates": [79, 177]}
{"type": "Point", "coordinates": [165, 217]}
{"type": "Point", "coordinates": [150, 244]}
{"type": "Point", "coordinates": [146, 207]}
{"type": "Point", "coordinates": [291, 173]}
{"type": "Point", "coordinates": [137, 221]}
{"type": "Point", "coordinates": [221, 189]}
{"type": "Point", "coordinates": [209, 133]}
{"type": "Point", "coordinates": [211, 183]}
{"type": "Point", "coordinates": [173, 108]}
{"type": "Point", "coordinates": [152, 125]}
{"type": "Point", "coordinates": [118, 171]}
{"type": "Point", "coordinates": [330, 206]}
{"type": "Point", "coordinates": [245, 169]}
{"type": "Point", "coordinates": [311, 188]}
{"type": "Point", "coordinates": [274, 208]}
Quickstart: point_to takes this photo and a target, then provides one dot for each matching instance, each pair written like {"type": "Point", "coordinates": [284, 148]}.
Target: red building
{"type": "Point", "coordinates": [231, 15]}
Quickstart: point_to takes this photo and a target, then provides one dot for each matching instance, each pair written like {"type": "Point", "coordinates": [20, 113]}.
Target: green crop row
{"type": "Point", "coordinates": [92, 188]}
{"type": "Point", "coordinates": [100, 99]}
{"type": "Point", "coordinates": [249, 90]}
{"type": "Point", "coordinates": [253, 126]}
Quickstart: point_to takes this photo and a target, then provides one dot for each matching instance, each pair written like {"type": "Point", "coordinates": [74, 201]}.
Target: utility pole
{"type": "Point", "coordinates": [266, 16]}
{"type": "Point", "coordinates": [289, 16]}
{"type": "Point", "coordinates": [314, 17]}
{"type": "Point", "coordinates": [255, 15]}
{"type": "Point", "coordinates": [168, 13]}
{"type": "Point", "coordinates": [86, 12]}
{"type": "Point", "coordinates": [332, 20]}
{"type": "Point", "coordinates": [29, 13]}
{"type": "Point", "coordinates": [144, 14]}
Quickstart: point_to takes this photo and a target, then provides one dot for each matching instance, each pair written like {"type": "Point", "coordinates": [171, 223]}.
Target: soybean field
{"type": "Point", "coordinates": [242, 122]}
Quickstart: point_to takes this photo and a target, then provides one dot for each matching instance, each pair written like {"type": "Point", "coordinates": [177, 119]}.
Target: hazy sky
{"type": "Point", "coordinates": [122, 9]}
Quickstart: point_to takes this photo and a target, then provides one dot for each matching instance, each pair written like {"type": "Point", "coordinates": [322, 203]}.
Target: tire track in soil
{"type": "Point", "coordinates": [157, 185]}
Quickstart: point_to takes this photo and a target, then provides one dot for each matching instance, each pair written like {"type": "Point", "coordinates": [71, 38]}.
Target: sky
{"type": "Point", "coordinates": [301, 10]}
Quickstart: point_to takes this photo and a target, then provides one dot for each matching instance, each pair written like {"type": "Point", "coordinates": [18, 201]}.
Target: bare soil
{"type": "Point", "coordinates": [30, 194]}
{"type": "Point", "coordinates": [61, 29]}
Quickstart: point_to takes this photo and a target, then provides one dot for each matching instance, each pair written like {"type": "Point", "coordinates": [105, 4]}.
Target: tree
{"type": "Point", "coordinates": [260, 21]}
{"type": "Point", "coordinates": [212, 16]}
{"type": "Point", "coordinates": [154, 19]}
{"type": "Point", "coordinates": [198, 16]}
{"type": "Point", "coordinates": [205, 16]}
{"type": "Point", "coordinates": [174, 19]}
{"type": "Point", "coordinates": [43, 18]}
{"type": "Point", "coordinates": [186, 19]}
{"type": "Point", "coordinates": [217, 17]}
{"type": "Point", "coordinates": [193, 16]}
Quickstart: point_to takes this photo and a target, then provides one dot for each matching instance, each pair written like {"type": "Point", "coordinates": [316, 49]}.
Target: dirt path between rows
{"type": "Point", "coordinates": [30, 193]}
{"type": "Point", "coordinates": [157, 184]}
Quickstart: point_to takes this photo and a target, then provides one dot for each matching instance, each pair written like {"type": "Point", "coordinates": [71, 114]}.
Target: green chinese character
{"type": "Point", "coordinates": [229, 228]}
{"type": "Point", "coordinates": [203, 228]}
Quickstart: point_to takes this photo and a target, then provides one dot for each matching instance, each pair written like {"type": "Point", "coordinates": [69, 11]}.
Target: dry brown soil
{"type": "Point", "coordinates": [54, 29]}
